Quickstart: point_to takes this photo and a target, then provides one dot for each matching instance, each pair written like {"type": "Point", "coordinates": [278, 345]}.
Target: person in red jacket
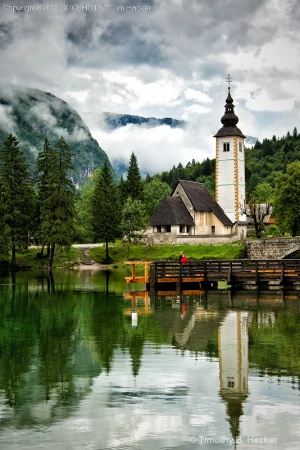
{"type": "Point", "coordinates": [184, 261]}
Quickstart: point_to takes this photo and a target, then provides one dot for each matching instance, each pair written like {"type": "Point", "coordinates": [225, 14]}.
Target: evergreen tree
{"type": "Point", "coordinates": [133, 186]}
{"type": "Point", "coordinates": [56, 197]}
{"type": "Point", "coordinates": [84, 216]}
{"type": "Point", "coordinates": [16, 196]}
{"type": "Point", "coordinates": [105, 211]}
{"type": "Point", "coordinates": [45, 165]}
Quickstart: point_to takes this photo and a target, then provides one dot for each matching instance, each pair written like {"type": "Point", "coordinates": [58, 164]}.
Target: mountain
{"type": "Point", "coordinates": [32, 115]}
{"type": "Point", "coordinates": [113, 121]}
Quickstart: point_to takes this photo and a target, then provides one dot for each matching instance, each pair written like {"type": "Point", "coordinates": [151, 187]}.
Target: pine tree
{"type": "Point", "coordinates": [45, 165]}
{"type": "Point", "coordinates": [16, 196]}
{"type": "Point", "coordinates": [106, 216]}
{"type": "Point", "coordinates": [133, 186]}
{"type": "Point", "coordinates": [56, 197]}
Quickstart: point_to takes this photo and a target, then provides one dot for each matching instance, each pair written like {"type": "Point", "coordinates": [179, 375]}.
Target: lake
{"type": "Point", "coordinates": [197, 369]}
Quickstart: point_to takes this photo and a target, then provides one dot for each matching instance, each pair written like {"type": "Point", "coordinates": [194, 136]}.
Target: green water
{"type": "Point", "coordinates": [208, 370]}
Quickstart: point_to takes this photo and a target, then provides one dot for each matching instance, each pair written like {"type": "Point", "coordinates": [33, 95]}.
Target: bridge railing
{"type": "Point", "coordinates": [226, 269]}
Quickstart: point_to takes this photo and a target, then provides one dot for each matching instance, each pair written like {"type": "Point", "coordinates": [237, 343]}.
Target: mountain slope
{"type": "Point", "coordinates": [31, 115]}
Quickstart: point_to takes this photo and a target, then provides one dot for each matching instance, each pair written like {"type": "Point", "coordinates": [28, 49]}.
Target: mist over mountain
{"type": "Point", "coordinates": [113, 121]}
{"type": "Point", "coordinates": [32, 115]}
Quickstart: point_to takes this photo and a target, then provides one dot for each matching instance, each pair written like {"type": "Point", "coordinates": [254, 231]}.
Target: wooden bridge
{"type": "Point", "coordinates": [207, 273]}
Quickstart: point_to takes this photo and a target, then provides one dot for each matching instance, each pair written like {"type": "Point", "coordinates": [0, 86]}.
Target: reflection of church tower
{"type": "Point", "coordinates": [233, 366]}
{"type": "Point", "coordinates": [230, 163]}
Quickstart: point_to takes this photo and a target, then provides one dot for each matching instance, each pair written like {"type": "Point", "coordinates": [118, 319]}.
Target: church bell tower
{"type": "Point", "coordinates": [230, 164]}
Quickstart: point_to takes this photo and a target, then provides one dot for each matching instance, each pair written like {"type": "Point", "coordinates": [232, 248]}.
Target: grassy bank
{"type": "Point", "coordinates": [27, 259]}
{"type": "Point", "coordinates": [119, 252]}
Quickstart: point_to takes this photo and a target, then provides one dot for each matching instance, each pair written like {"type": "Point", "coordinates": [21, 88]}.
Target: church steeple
{"type": "Point", "coordinates": [229, 119]}
{"type": "Point", "coordinates": [230, 163]}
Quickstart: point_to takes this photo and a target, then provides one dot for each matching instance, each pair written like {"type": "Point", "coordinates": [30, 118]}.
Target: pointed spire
{"type": "Point", "coordinates": [229, 119]}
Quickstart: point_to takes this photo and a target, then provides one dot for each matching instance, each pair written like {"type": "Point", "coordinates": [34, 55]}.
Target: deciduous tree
{"type": "Point", "coordinates": [154, 191]}
{"type": "Point", "coordinates": [134, 221]}
{"type": "Point", "coordinates": [286, 199]}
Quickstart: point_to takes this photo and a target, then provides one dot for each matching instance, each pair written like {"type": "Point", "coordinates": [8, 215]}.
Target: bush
{"type": "Point", "coordinates": [273, 230]}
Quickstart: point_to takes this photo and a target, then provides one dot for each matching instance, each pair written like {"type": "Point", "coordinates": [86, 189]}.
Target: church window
{"type": "Point", "coordinates": [226, 146]}
{"type": "Point", "coordinates": [230, 382]}
{"type": "Point", "coordinates": [240, 146]}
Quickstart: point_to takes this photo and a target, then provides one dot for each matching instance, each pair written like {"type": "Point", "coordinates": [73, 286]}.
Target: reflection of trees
{"type": "Point", "coordinates": [136, 351]}
{"type": "Point", "coordinates": [106, 326]}
{"type": "Point", "coordinates": [56, 344]}
{"type": "Point", "coordinates": [17, 338]}
{"type": "Point", "coordinates": [274, 347]}
{"type": "Point", "coordinates": [41, 358]}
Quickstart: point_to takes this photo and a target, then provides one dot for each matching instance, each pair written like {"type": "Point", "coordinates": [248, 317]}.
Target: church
{"type": "Point", "coordinates": [190, 215]}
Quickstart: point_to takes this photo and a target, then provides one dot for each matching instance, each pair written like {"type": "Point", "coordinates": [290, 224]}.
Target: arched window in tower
{"type": "Point", "coordinates": [240, 146]}
{"type": "Point", "coordinates": [226, 146]}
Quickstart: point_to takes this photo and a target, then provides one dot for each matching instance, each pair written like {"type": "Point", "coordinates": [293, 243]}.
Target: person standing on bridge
{"type": "Point", "coordinates": [180, 256]}
{"type": "Point", "coordinates": [184, 262]}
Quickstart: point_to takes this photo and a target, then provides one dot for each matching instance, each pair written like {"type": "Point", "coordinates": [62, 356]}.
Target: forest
{"type": "Point", "coordinates": [263, 163]}
{"type": "Point", "coordinates": [48, 210]}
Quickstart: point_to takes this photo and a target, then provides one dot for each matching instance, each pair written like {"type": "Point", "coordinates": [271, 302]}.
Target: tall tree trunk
{"type": "Point", "coordinates": [13, 257]}
{"type": "Point", "coordinates": [51, 256]}
{"type": "Point", "coordinates": [106, 251]}
{"type": "Point", "coordinates": [256, 226]}
{"type": "Point", "coordinates": [295, 228]}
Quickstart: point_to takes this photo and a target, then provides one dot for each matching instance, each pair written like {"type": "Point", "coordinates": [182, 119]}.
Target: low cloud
{"type": "Point", "coordinates": [6, 119]}
{"type": "Point", "coordinates": [157, 149]}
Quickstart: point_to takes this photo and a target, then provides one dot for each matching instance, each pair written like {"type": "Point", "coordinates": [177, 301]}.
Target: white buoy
{"type": "Point", "coordinates": [134, 319]}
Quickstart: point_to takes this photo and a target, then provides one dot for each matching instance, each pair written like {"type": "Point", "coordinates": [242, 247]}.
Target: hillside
{"type": "Point", "coordinates": [269, 157]}
{"type": "Point", "coordinates": [31, 115]}
{"type": "Point", "coordinates": [263, 161]}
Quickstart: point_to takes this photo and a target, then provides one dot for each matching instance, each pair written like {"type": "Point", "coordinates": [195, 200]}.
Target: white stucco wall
{"type": "Point", "coordinates": [230, 176]}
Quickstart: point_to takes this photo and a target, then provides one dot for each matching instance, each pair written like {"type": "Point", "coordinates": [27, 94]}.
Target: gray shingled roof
{"type": "Point", "coordinates": [229, 131]}
{"type": "Point", "coordinates": [171, 211]}
{"type": "Point", "coordinates": [202, 200]}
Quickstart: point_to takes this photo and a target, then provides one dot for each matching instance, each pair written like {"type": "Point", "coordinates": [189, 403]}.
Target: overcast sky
{"type": "Point", "coordinates": [170, 59]}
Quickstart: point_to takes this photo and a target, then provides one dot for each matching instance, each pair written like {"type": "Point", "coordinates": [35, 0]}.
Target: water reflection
{"type": "Point", "coordinates": [233, 366]}
{"type": "Point", "coordinates": [81, 352]}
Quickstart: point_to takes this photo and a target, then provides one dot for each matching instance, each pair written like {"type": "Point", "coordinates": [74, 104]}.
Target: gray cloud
{"type": "Point", "coordinates": [6, 34]}
{"type": "Point", "coordinates": [144, 62]}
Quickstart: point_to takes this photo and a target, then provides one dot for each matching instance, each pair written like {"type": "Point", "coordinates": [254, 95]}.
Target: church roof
{"type": "Point", "coordinates": [201, 200]}
{"type": "Point", "coordinates": [229, 120]}
{"type": "Point", "coordinates": [171, 211]}
{"type": "Point", "coordinates": [229, 131]}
